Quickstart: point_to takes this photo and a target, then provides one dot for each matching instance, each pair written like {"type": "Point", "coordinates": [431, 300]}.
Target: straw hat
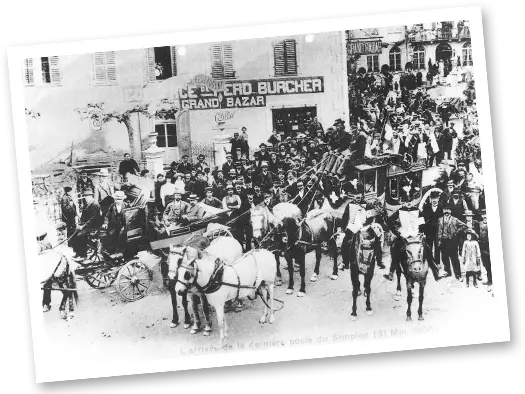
{"type": "Point", "coordinates": [119, 195]}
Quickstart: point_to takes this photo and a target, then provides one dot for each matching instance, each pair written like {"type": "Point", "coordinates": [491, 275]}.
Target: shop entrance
{"type": "Point", "coordinates": [291, 121]}
{"type": "Point", "coordinates": [443, 51]}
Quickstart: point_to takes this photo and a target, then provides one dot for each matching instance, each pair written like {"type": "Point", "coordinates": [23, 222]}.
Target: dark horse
{"type": "Point", "coordinates": [362, 261]}
{"type": "Point", "coordinates": [302, 239]}
{"type": "Point", "coordinates": [175, 257]}
{"type": "Point", "coordinates": [58, 272]}
{"type": "Point", "coordinates": [413, 262]}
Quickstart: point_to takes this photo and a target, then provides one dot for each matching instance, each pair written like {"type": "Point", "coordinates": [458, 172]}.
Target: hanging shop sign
{"type": "Point", "coordinates": [368, 47]}
{"type": "Point", "coordinates": [243, 94]}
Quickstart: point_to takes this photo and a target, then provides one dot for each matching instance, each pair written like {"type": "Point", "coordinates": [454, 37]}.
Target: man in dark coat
{"type": "Point", "coordinates": [431, 213]}
{"type": "Point", "coordinates": [117, 224]}
{"type": "Point", "coordinates": [69, 213]}
{"type": "Point", "coordinates": [236, 143]}
{"type": "Point", "coordinates": [128, 166]}
{"type": "Point", "coordinates": [447, 237]}
{"type": "Point", "coordinates": [184, 167]}
{"type": "Point", "coordinates": [226, 167]}
{"type": "Point", "coordinates": [90, 220]}
{"type": "Point", "coordinates": [264, 178]}
{"type": "Point", "coordinates": [211, 200]}
{"type": "Point", "coordinates": [84, 184]}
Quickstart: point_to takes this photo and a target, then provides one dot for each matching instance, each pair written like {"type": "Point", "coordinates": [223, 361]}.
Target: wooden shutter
{"type": "Point", "coordinates": [290, 53]}
{"type": "Point", "coordinates": [278, 56]}
{"type": "Point", "coordinates": [173, 61]}
{"type": "Point", "coordinates": [29, 72]}
{"type": "Point", "coordinates": [227, 60]}
{"type": "Point", "coordinates": [111, 68]}
{"type": "Point", "coordinates": [151, 64]}
{"type": "Point", "coordinates": [99, 69]}
{"type": "Point", "coordinates": [217, 68]}
{"type": "Point", "coordinates": [54, 69]}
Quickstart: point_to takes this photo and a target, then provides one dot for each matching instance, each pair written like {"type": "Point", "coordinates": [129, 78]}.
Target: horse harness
{"type": "Point", "coordinates": [216, 278]}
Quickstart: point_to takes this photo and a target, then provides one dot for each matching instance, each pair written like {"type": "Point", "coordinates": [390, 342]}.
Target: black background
{"type": "Point", "coordinates": [51, 22]}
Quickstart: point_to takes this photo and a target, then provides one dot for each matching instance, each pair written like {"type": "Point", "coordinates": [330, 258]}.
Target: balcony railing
{"type": "Point", "coordinates": [438, 34]}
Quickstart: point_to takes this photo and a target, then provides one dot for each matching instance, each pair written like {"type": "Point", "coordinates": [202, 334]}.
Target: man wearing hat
{"type": "Point", "coordinates": [457, 204]}
{"type": "Point", "coordinates": [210, 200]}
{"type": "Point", "coordinates": [448, 230]}
{"type": "Point", "coordinates": [128, 166]}
{"type": "Point", "coordinates": [196, 211]}
{"type": "Point", "coordinates": [264, 155]}
{"type": "Point", "coordinates": [264, 179]}
{"type": "Point", "coordinates": [69, 213]}
{"type": "Point", "coordinates": [185, 166]}
{"type": "Point", "coordinates": [485, 249]}
{"type": "Point", "coordinates": [231, 201]}
{"type": "Point", "coordinates": [226, 167]}
{"type": "Point", "coordinates": [90, 221]}
{"type": "Point", "coordinates": [104, 190]}
{"type": "Point", "coordinates": [201, 162]}
{"type": "Point", "coordinates": [175, 210]}
{"type": "Point", "coordinates": [432, 213]}
{"type": "Point", "coordinates": [117, 224]}
{"type": "Point", "coordinates": [237, 145]}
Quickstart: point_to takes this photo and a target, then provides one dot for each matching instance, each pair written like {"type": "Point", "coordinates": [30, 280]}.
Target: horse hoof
{"type": "Point", "coordinates": [313, 278]}
{"type": "Point", "coordinates": [409, 318]}
{"type": "Point", "coordinates": [341, 266]}
{"type": "Point", "coordinates": [272, 319]}
{"type": "Point", "coordinates": [289, 291]}
{"type": "Point", "coordinates": [334, 277]}
{"type": "Point", "coordinates": [397, 297]}
{"type": "Point", "coordinates": [421, 318]}
{"type": "Point", "coordinates": [173, 325]}
{"type": "Point", "coordinates": [47, 308]}
{"type": "Point", "coordinates": [262, 320]}
{"type": "Point", "coordinates": [301, 294]}
{"type": "Point", "coordinates": [353, 318]}
{"type": "Point", "coordinates": [369, 313]}
{"type": "Point", "coordinates": [279, 282]}
{"type": "Point", "coordinates": [186, 326]}
{"type": "Point", "coordinates": [207, 333]}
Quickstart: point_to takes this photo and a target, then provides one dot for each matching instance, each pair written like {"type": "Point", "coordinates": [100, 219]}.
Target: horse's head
{"type": "Point", "coordinates": [186, 276]}
{"type": "Point", "coordinates": [289, 231]}
{"type": "Point", "coordinates": [415, 257]}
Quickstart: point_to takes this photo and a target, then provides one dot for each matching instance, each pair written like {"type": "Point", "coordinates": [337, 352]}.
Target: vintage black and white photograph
{"type": "Point", "coordinates": [331, 190]}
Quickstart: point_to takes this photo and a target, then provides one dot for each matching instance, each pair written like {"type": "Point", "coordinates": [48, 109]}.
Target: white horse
{"type": "Point", "coordinates": [254, 272]}
{"type": "Point", "coordinates": [227, 249]}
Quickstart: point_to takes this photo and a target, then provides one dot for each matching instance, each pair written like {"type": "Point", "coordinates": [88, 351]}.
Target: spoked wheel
{"type": "Point", "coordinates": [101, 280]}
{"type": "Point", "coordinates": [134, 280]}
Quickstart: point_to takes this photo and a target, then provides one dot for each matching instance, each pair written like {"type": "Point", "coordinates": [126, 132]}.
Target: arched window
{"type": "Point", "coordinates": [395, 59]}
{"type": "Point", "coordinates": [467, 54]}
{"type": "Point", "coordinates": [418, 57]}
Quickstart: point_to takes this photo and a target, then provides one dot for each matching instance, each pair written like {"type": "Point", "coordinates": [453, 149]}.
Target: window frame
{"type": "Point", "coordinates": [394, 52]}
{"type": "Point", "coordinates": [274, 58]}
{"type": "Point", "coordinates": [165, 125]}
{"type": "Point", "coordinates": [150, 63]}
{"type": "Point", "coordinates": [372, 57]}
{"type": "Point", "coordinates": [29, 72]}
{"type": "Point", "coordinates": [418, 51]}
{"type": "Point", "coordinates": [466, 53]}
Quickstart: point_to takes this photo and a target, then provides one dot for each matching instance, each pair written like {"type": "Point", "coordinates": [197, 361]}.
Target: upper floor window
{"type": "Point", "coordinates": [166, 135]}
{"type": "Point", "coordinates": [49, 70]}
{"type": "Point", "coordinates": [104, 67]}
{"type": "Point", "coordinates": [222, 61]}
{"type": "Point", "coordinates": [162, 63]}
{"type": "Point", "coordinates": [285, 57]}
{"type": "Point", "coordinates": [395, 59]}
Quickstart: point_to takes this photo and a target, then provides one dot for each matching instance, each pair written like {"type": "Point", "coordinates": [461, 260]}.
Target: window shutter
{"type": "Point", "coordinates": [29, 74]}
{"type": "Point", "coordinates": [217, 68]}
{"type": "Point", "coordinates": [54, 69]}
{"type": "Point", "coordinates": [111, 69]}
{"type": "Point", "coordinates": [151, 64]}
{"type": "Point", "coordinates": [227, 59]}
{"type": "Point", "coordinates": [99, 72]}
{"type": "Point", "coordinates": [290, 57]}
{"type": "Point", "coordinates": [173, 61]}
{"type": "Point", "coordinates": [278, 56]}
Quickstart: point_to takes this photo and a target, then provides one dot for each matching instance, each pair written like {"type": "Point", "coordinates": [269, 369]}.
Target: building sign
{"type": "Point", "coordinates": [96, 120]}
{"type": "Point", "coordinates": [222, 116]}
{"type": "Point", "coordinates": [368, 47]}
{"type": "Point", "coordinates": [244, 94]}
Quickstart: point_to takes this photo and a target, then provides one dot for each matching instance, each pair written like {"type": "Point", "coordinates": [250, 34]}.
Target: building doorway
{"type": "Point", "coordinates": [443, 51]}
{"type": "Point", "coordinates": [290, 121]}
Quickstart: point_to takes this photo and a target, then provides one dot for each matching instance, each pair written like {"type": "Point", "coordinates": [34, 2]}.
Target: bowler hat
{"type": "Point", "coordinates": [192, 196]}
{"type": "Point", "coordinates": [468, 212]}
{"type": "Point", "coordinates": [119, 195]}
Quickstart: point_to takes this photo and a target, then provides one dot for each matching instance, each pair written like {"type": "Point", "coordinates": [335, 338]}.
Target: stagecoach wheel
{"type": "Point", "coordinates": [134, 280]}
{"type": "Point", "coordinates": [101, 280]}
